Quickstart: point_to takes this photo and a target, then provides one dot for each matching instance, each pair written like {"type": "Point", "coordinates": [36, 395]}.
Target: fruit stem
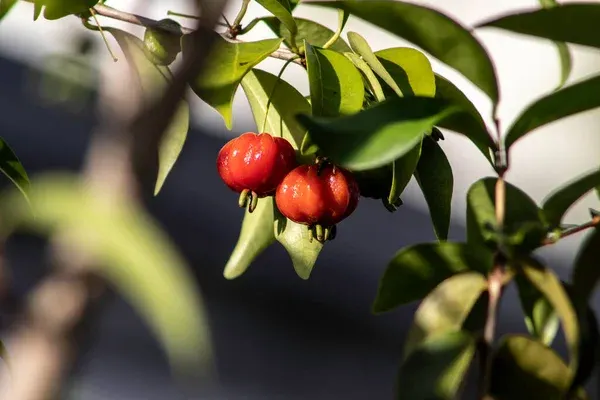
{"type": "Point", "coordinates": [99, 28]}
{"type": "Point", "coordinates": [342, 18]}
{"type": "Point", "coordinates": [264, 124]}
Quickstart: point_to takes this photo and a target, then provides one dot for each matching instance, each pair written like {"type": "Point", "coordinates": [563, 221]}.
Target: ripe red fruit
{"type": "Point", "coordinates": [312, 197]}
{"type": "Point", "coordinates": [255, 163]}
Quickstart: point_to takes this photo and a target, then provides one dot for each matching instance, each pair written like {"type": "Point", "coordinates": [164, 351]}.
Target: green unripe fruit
{"type": "Point", "coordinates": [161, 47]}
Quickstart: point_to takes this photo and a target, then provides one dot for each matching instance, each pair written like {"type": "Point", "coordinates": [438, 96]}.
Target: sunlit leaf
{"type": "Point", "coordinates": [431, 30]}
{"type": "Point", "coordinates": [562, 103]}
{"type": "Point", "coordinates": [410, 69]}
{"type": "Point", "coordinates": [540, 317]}
{"type": "Point", "coordinates": [336, 87]}
{"type": "Point", "coordinates": [560, 201]}
{"type": "Point", "coordinates": [312, 32]}
{"type": "Point", "coordinates": [370, 78]}
{"type": "Point", "coordinates": [154, 79]}
{"type": "Point", "coordinates": [417, 270]}
{"type": "Point", "coordinates": [436, 368]}
{"type": "Point", "coordinates": [55, 9]}
{"type": "Point", "coordinates": [256, 235]}
{"type": "Point", "coordinates": [378, 135]}
{"type": "Point", "coordinates": [129, 250]}
{"type": "Point", "coordinates": [228, 64]}
{"type": "Point", "coordinates": [282, 11]}
{"type": "Point", "coordinates": [434, 176]}
{"type": "Point", "coordinates": [445, 309]}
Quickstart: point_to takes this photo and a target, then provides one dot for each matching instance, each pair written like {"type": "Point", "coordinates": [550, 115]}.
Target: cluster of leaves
{"type": "Point", "coordinates": [379, 114]}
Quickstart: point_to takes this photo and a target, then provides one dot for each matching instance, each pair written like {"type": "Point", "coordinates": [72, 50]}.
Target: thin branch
{"type": "Point", "coordinates": [572, 231]}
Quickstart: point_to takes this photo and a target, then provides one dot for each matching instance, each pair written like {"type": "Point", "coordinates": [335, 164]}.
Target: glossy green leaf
{"type": "Point", "coordinates": [573, 23]}
{"type": "Point", "coordinates": [296, 240]}
{"type": "Point", "coordinates": [56, 9]}
{"type": "Point", "coordinates": [468, 122]}
{"type": "Point", "coordinates": [436, 368]}
{"type": "Point", "coordinates": [445, 309]}
{"type": "Point", "coordinates": [410, 69]}
{"type": "Point", "coordinates": [560, 201]}
{"type": "Point", "coordinates": [402, 170]}
{"type": "Point", "coordinates": [154, 79]}
{"type": "Point", "coordinates": [540, 317]}
{"type": "Point", "coordinates": [256, 235]}
{"type": "Point", "coordinates": [523, 228]}
{"type": "Point", "coordinates": [361, 47]}
{"type": "Point", "coordinates": [228, 64]}
{"type": "Point", "coordinates": [336, 86]}
{"type": "Point", "coordinates": [282, 11]}
{"type": "Point", "coordinates": [12, 168]}
{"type": "Point", "coordinates": [370, 79]}
{"type": "Point", "coordinates": [416, 270]}
{"type": "Point", "coordinates": [546, 282]}
{"type": "Point", "coordinates": [378, 135]}
{"type": "Point", "coordinates": [431, 30]}
{"type": "Point", "coordinates": [434, 176]}
{"type": "Point", "coordinates": [5, 6]}
{"type": "Point", "coordinates": [286, 102]}
{"type": "Point", "coordinates": [562, 103]}
{"type": "Point", "coordinates": [315, 34]}
{"type": "Point", "coordinates": [129, 250]}
{"type": "Point", "coordinates": [586, 273]}
{"type": "Point", "coordinates": [564, 55]}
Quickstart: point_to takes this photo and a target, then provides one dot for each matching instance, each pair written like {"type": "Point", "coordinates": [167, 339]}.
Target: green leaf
{"type": "Point", "coordinates": [550, 286]}
{"type": "Point", "coordinates": [586, 274]}
{"type": "Point", "coordinates": [402, 171]}
{"type": "Point", "coordinates": [12, 168]}
{"type": "Point", "coordinates": [524, 369]}
{"type": "Point", "coordinates": [256, 235]}
{"type": "Point", "coordinates": [296, 240]}
{"type": "Point", "coordinates": [282, 11]}
{"type": "Point", "coordinates": [129, 250]}
{"type": "Point", "coordinates": [431, 30]}
{"type": "Point", "coordinates": [523, 229]}
{"type": "Point", "coordinates": [37, 8]}
{"type": "Point", "coordinates": [436, 368]}
{"type": "Point", "coordinates": [564, 54]}
{"type": "Point", "coordinates": [540, 317]}
{"type": "Point", "coordinates": [560, 201]}
{"type": "Point", "coordinates": [362, 48]}
{"type": "Point", "coordinates": [56, 9]}
{"type": "Point", "coordinates": [370, 78]}
{"type": "Point", "coordinates": [416, 270]}
{"type": "Point", "coordinates": [410, 70]}
{"type": "Point", "coordinates": [434, 176]}
{"type": "Point", "coordinates": [555, 23]}
{"type": "Point", "coordinates": [154, 79]}
{"type": "Point", "coordinates": [468, 122]}
{"type": "Point", "coordinates": [378, 135]}
{"type": "Point", "coordinates": [313, 33]}
{"type": "Point", "coordinates": [227, 66]}
{"type": "Point", "coordinates": [563, 103]}
{"type": "Point", "coordinates": [5, 6]}
{"type": "Point", "coordinates": [286, 102]}
{"type": "Point", "coordinates": [336, 86]}
{"type": "Point", "coordinates": [445, 309]}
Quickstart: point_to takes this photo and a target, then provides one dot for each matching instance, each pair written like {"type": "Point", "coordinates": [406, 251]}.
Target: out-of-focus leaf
{"type": "Point", "coordinates": [154, 79]}
{"type": "Point", "coordinates": [129, 250]}
{"type": "Point", "coordinates": [434, 176]}
{"type": "Point", "coordinates": [296, 240]}
{"type": "Point", "coordinates": [564, 55]}
{"type": "Point", "coordinates": [524, 369]}
{"type": "Point", "coordinates": [313, 33]}
{"type": "Point", "coordinates": [256, 235]}
{"type": "Point", "coordinates": [546, 282]}
{"type": "Point", "coordinates": [228, 64]}
{"type": "Point", "coordinates": [12, 168]}
{"type": "Point", "coordinates": [402, 171]}
{"type": "Point", "coordinates": [436, 368]}
{"type": "Point", "coordinates": [370, 78]}
{"type": "Point", "coordinates": [336, 87]}
{"type": "Point", "coordinates": [468, 122]}
{"type": "Point", "coordinates": [416, 270]}
{"type": "Point", "coordinates": [56, 9]}
{"type": "Point", "coordinates": [362, 48]}
{"type": "Point", "coordinates": [5, 6]}
{"type": "Point", "coordinates": [378, 135]}
{"type": "Point", "coordinates": [286, 102]}
{"type": "Point", "coordinates": [586, 273]}
{"type": "Point", "coordinates": [560, 201]}
{"type": "Point", "coordinates": [282, 11]}
{"type": "Point", "coordinates": [445, 309]}
{"type": "Point", "coordinates": [540, 317]}
{"type": "Point", "coordinates": [560, 104]}
{"type": "Point", "coordinates": [410, 70]}
{"type": "Point", "coordinates": [431, 30]}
